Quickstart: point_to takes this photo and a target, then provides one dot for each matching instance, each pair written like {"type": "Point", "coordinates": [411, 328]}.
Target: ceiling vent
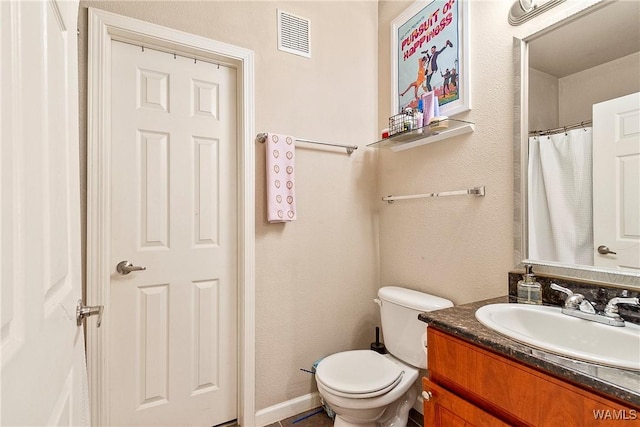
{"type": "Point", "coordinates": [294, 34]}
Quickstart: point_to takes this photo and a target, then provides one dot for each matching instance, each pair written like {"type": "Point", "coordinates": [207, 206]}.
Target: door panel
{"type": "Point", "coordinates": [43, 378]}
{"type": "Point", "coordinates": [173, 330]}
{"type": "Point", "coordinates": [616, 182]}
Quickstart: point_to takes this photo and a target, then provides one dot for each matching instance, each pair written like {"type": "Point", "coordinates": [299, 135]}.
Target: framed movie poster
{"type": "Point", "coordinates": [430, 52]}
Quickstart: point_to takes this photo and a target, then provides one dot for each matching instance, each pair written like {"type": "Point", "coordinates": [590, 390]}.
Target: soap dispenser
{"type": "Point", "coordinates": [529, 290]}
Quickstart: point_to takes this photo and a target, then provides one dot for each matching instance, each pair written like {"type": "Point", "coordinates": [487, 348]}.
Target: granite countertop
{"type": "Point", "coordinates": [460, 321]}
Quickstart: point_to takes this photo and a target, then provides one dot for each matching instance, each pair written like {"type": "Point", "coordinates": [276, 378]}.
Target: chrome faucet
{"type": "Point", "coordinates": [577, 305]}
{"type": "Point", "coordinates": [611, 309]}
{"type": "Point", "coordinates": [573, 301]}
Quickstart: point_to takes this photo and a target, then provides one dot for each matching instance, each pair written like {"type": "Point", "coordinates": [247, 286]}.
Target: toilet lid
{"type": "Point", "coordinates": [358, 373]}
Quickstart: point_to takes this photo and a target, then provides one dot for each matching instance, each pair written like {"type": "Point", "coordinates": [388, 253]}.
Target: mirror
{"type": "Point", "coordinates": [590, 57]}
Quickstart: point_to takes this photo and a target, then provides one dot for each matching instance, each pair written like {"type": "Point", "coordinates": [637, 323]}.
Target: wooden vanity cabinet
{"type": "Point", "coordinates": [470, 386]}
{"type": "Point", "coordinates": [443, 408]}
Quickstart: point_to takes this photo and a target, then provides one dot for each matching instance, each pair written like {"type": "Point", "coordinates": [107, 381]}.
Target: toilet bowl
{"type": "Point", "coordinates": [368, 389]}
{"type": "Point", "coordinates": [365, 391]}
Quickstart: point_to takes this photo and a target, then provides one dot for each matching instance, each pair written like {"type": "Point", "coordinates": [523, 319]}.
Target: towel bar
{"type": "Point", "coordinates": [262, 137]}
{"type": "Point", "coordinates": [476, 191]}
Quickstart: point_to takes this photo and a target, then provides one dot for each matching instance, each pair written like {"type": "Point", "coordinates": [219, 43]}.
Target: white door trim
{"type": "Point", "coordinates": [103, 28]}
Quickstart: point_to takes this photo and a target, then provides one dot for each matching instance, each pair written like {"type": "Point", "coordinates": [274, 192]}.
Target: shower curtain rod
{"type": "Point", "coordinates": [560, 129]}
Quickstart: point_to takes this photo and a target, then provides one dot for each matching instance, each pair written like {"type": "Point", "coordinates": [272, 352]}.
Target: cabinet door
{"type": "Point", "coordinates": [443, 408]}
{"type": "Point", "coordinates": [515, 392]}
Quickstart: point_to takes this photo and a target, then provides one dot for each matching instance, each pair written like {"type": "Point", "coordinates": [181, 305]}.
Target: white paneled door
{"type": "Point", "coordinates": [43, 375]}
{"type": "Point", "coordinates": [172, 327]}
{"type": "Point", "coordinates": [616, 182]}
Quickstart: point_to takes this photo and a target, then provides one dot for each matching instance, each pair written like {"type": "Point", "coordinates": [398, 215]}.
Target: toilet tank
{"type": "Point", "coordinates": [404, 335]}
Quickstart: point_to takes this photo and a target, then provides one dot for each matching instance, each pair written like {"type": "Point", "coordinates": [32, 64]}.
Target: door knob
{"type": "Point", "coordinates": [125, 267]}
{"type": "Point", "coordinates": [427, 395]}
{"type": "Point", "coordinates": [83, 311]}
{"type": "Point", "coordinates": [604, 250]}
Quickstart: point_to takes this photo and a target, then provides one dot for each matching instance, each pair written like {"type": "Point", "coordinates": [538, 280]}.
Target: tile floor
{"type": "Point", "coordinates": [322, 420]}
{"type": "Point", "coordinates": [313, 418]}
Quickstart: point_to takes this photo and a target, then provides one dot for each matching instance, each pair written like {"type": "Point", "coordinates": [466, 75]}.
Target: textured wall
{"type": "Point", "coordinates": [557, 102]}
{"type": "Point", "coordinates": [461, 248]}
{"type": "Point", "coordinates": [456, 247]}
{"type": "Point", "coordinates": [315, 278]}
{"type": "Point", "coordinates": [579, 91]}
{"type": "Point", "coordinates": [543, 100]}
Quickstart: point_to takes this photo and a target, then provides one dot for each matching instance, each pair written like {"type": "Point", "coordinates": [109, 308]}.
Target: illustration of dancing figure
{"type": "Point", "coordinates": [454, 77]}
{"type": "Point", "coordinates": [433, 62]}
{"type": "Point", "coordinates": [419, 79]}
{"type": "Point", "coordinates": [447, 78]}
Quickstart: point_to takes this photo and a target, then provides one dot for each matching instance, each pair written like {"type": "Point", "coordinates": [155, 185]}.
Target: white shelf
{"type": "Point", "coordinates": [425, 135]}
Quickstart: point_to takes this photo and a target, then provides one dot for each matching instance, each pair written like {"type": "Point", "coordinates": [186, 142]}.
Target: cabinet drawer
{"type": "Point", "coordinates": [445, 409]}
{"type": "Point", "coordinates": [514, 392]}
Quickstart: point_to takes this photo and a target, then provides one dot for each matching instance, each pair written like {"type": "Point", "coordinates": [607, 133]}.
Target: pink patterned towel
{"type": "Point", "coordinates": [281, 194]}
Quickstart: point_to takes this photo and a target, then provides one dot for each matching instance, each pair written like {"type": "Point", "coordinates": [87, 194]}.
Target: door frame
{"type": "Point", "coordinates": [104, 27]}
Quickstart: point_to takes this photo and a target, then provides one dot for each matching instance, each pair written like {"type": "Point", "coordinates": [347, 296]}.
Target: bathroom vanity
{"type": "Point", "coordinates": [478, 377]}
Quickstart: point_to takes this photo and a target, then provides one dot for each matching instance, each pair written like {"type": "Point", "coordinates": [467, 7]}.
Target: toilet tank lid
{"type": "Point", "coordinates": [413, 299]}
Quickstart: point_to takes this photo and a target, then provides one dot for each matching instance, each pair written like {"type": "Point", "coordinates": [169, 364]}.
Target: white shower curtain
{"type": "Point", "coordinates": [560, 191]}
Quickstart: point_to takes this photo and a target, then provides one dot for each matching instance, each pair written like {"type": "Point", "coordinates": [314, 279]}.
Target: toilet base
{"type": "Point", "coordinates": [339, 422]}
{"type": "Point", "coordinates": [395, 415]}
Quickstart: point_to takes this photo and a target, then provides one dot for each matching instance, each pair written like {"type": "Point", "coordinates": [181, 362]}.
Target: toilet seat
{"type": "Point", "coordinates": [358, 374]}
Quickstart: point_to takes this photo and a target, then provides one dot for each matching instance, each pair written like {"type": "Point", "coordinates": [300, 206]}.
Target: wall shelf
{"type": "Point", "coordinates": [424, 135]}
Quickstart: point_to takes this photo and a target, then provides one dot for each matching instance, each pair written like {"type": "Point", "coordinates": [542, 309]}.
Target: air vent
{"type": "Point", "coordinates": [294, 34]}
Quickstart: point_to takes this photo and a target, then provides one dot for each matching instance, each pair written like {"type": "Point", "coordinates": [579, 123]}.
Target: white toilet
{"type": "Point", "coordinates": [365, 388]}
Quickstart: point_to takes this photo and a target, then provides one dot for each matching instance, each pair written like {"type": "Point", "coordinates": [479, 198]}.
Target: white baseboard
{"type": "Point", "coordinates": [287, 409]}
{"type": "Point", "coordinates": [301, 404]}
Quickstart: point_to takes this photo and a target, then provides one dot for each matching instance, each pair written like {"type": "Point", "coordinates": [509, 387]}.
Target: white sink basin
{"type": "Point", "coordinates": [548, 329]}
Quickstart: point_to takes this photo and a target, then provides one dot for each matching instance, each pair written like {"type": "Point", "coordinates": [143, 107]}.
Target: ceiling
{"type": "Point", "coordinates": [607, 33]}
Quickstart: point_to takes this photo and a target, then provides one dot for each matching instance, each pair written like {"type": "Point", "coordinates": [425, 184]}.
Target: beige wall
{"type": "Point", "coordinates": [543, 100]}
{"type": "Point", "coordinates": [579, 91]}
{"type": "Point", "coordinates": [555, 102]}
{"type": "Point", "coordinates": [315, 277]}
{"type": "Point", "coordinates": [458, 247]}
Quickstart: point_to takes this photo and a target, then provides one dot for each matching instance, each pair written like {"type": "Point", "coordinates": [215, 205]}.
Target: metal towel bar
{"type": "Point", "coordinates": [476, 191]}
{"type": "Point", "coordinates": [262, 137]}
